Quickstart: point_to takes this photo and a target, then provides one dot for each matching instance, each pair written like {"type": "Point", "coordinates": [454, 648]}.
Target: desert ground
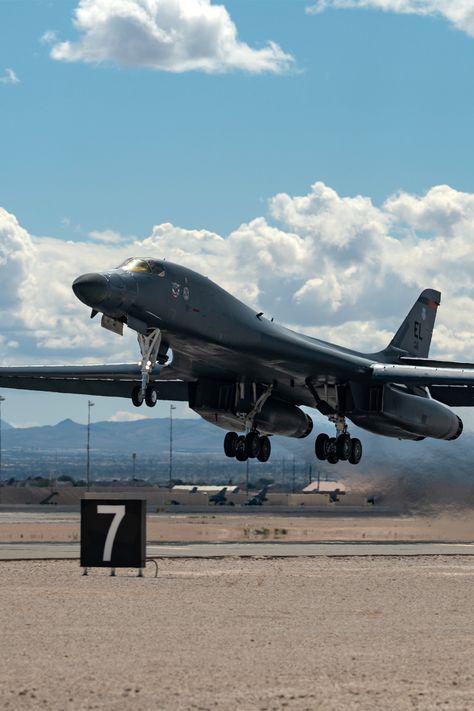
{"type": "Point", "coordinates": [259, 634]}
{"type": "Point", "coordinates": [309, 633]}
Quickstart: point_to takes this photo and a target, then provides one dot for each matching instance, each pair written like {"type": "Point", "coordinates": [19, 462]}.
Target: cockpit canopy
{"type": "Point", "coordinates": [147, 266]}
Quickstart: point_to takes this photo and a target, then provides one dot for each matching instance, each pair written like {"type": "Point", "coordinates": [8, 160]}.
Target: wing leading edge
{"type": "Point", "coordinates": [115, 380]}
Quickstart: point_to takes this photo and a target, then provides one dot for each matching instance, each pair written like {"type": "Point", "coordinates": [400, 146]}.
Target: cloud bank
{"type": "Point", "coordinates": [166, 35]}
{"type": "Point", "coordinates": [459, 13]}
{"type": "Point", "coordinates": [336, 267]}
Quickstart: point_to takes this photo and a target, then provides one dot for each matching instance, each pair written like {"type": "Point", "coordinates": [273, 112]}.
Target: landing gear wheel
{"type": "Point", "coordinates": [344, 447]}
{"type": "Point", "coordinates": [137, 396]}
{"type": "Point", "coordinates": [151, 396]}
{"type": "Point", "coordinates": [230, 444]}
{"type": "Point", "coordinates": [240, 453]}
{"type": "Point", "coordinates": [356, 451]}
{"type": "Point", "coordinates": [252, 444]}
{"type": "Point", "coordinates": [264, 450]}
{"type": "Point", "coordinates": [321, 446]}
{"type": "Point", "coordinates": [332, 455]}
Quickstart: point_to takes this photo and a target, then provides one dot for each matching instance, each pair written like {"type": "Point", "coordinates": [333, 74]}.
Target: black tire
{"type": "Point", "coordinates": [230, 444]}
{"type": "Point", "coordinates": [264, 450]}
{"type": "Point", "coordinates": [240, 452]}
{"type": "Point", "coordinates": [151, 396]}
{"type": "Point", "coordinates": [344, 447]}
{"type": "Point", "coordinates": [137, 397]}
{"type": "Point", "coordinates": [252, 444]}
{"type": "Point", "coordinates": [356, 451]}
{"type": "Point", "coordinates": [321, 446]}
{"type": "Point", "coordinates": [332, 457]}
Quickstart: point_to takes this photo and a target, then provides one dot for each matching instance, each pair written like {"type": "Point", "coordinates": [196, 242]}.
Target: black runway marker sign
{"type": "Point", "coordinates": [113, 533]}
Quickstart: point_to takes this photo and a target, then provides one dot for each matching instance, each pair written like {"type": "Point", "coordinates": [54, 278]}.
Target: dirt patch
{"type": "Point", "coordinates": [259, 527]}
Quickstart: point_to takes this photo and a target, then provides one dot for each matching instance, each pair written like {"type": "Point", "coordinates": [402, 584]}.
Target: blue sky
{"type": "Point", "coordinates": [373, 103]}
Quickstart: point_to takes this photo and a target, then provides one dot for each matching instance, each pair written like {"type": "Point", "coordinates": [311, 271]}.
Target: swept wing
{"type": "Point", "coordinates": [116, 380]}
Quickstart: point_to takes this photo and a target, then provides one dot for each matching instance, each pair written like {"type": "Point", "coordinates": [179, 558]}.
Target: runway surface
{"type": "Point", "coordinates": [70, 551]}
{"type": "Point", "coordinates": [10, 512]}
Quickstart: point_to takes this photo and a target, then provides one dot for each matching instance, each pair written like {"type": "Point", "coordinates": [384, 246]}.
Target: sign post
{"type": "Point", "coordinates": [113, 533]}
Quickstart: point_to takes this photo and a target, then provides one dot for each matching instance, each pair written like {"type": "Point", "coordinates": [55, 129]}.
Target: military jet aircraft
{"type": "Point", "coordinates": [219, 498]}
{"type": "Point", "coordinates": [250, 376]}
{"type": "Point", "coordinates": [259, 498]}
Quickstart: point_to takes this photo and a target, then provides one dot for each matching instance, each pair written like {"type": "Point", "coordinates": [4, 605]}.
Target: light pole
{"type": "Point", "coordinates": [2, 399]}
{"type": "Point", "coordinates": [88, 469]}
{"type": "Point", "coordinates": [172, 407]}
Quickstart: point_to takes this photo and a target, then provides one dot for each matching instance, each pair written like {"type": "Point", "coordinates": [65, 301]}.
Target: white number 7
{"type": "Point", "coordinates": [119, 513]}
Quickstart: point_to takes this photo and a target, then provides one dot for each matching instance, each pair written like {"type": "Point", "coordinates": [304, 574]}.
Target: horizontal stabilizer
{"type": "Point", "coordinates": [453, 395]}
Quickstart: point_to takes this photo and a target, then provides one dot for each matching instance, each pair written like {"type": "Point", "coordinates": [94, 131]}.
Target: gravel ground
{"type": "Point", "coordinates": [326, 633]}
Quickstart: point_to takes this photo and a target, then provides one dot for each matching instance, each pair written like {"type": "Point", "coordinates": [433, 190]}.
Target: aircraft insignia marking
{"type": "Point", "coordinates": [175, 289]}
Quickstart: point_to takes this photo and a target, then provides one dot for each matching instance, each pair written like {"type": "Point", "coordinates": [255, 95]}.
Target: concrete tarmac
{"type": "Point", "coordinates": [70, 551]}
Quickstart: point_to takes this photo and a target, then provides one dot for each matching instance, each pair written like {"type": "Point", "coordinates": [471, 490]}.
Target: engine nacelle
{"type": "Point", "coordinates": [283, 418]}
{"type": "Point", "coordinates": [224, 406]}
{"type": "Point", "coordinates": [420, 415]}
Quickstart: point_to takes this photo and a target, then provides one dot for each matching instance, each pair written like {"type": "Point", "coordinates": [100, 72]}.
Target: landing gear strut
{"type": "Point", "coordinates": [249, 446]}
{"type": "Point", "coordinates": [340, 448]}
{"type": "Point", "coordinates": [149, 349]}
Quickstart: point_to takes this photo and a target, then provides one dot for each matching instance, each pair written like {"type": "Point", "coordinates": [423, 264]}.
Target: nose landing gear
{"type": "Point", "coordinates": [149, 349]}
{"type": "Point", "coordinates": [343, 447]}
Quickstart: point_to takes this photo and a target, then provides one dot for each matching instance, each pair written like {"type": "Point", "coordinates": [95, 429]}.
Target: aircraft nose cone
{"type": "Point", "coordinates": [91, 289]}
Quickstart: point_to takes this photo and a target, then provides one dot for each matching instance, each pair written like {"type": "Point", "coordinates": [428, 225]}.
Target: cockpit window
{"type": "Point", "coordinates": [156, 267]}
{"type": "Point", "coordinates": [135, 265]}
{"type": "Point", "coordinates": [148, 266]}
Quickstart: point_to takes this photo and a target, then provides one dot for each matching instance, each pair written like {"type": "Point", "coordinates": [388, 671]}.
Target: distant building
{"type": "Point", "coordinates": [325, 487]}
{"type": "Point", "coordinates": [205, 489]}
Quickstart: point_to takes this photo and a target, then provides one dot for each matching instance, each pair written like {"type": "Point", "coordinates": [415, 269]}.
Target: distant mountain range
{"type": "Point", "coordinates": [190, 436]}
{"type": "Point", "coordinates": [428, 471]}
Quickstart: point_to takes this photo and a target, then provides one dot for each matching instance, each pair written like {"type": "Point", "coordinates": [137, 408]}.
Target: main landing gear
{"type": "Point", "coordinates": [249, 446]}
{"type": "Point", "coordinates": [342, 448]}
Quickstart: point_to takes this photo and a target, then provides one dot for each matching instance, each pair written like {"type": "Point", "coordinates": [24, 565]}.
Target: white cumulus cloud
{"type": "Point", "coordinates": [336, 267]}
{"type": "Point", "coordinates": [167, 35]}
{"type": "Point", "coordinates": [460, 13]}
{"type": "Point", "coordinates": [9, 77]}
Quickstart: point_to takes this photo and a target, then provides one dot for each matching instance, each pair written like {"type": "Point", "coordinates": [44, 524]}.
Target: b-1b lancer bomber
{"type": "Point", "coordinates": [251, 376]}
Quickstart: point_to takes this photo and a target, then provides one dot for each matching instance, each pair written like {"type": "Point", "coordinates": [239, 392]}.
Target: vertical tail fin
{"type": "Point", "coordinates": [414, 335]}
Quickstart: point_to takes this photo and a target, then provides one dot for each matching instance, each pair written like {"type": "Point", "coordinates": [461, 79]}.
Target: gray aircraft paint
{"type": "Point", "coordinates": [218, 342]}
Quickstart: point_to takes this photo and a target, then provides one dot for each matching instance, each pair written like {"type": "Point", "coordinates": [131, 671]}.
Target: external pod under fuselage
{"type": "Point", "coordinates": [276, 417]}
